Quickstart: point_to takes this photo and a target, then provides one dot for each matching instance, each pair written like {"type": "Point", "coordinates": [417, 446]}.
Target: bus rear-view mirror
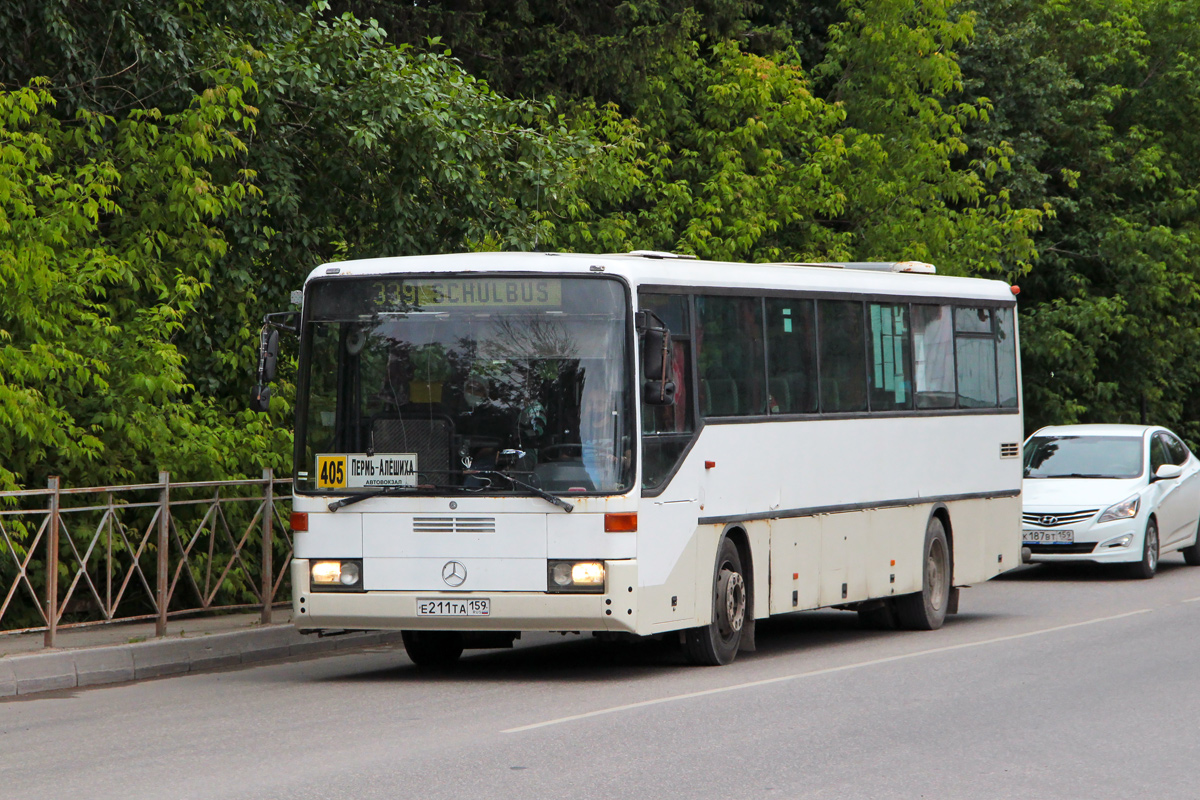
{"type": "Point", "coordinates": [268, 359]}
{"type": "Point", "coordinates": [657, 367]}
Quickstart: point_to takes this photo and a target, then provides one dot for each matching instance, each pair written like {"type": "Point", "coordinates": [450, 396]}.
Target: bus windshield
{"type": "Point", "coordinates": [449, 384]}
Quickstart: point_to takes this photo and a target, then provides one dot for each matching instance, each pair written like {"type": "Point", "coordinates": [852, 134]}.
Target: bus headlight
{"type": "Point", "coordinates": [575, 576]}
{"type": "Point", "coordinates": [344, 575]}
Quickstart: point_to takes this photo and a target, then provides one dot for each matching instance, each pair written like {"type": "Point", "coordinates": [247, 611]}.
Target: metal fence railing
{"type": "Point", "coordinates": [77, 557]}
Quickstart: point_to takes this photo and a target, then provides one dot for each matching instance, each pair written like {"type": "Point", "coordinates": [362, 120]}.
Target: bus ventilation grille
{"type": "Point", "coordinates": [454, 524]}
{"type": "Point", "coordinates": [1010, 449]}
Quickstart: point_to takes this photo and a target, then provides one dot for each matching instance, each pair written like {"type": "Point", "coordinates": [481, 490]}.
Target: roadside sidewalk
{"type": "Point", "coordinates": [128, 652]}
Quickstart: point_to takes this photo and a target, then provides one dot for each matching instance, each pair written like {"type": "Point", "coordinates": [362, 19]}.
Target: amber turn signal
{"type": "Point", "coordinates": [299, 521]}
{"type": "Point", "coordinates": [625, 522]}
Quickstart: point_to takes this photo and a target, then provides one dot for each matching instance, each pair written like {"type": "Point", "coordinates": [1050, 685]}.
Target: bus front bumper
{"type": "Point", "coordinates": [614, 610]}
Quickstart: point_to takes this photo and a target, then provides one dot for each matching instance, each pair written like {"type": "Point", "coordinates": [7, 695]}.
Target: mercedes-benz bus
{"type": "Point", "coordinates": [645, 445]}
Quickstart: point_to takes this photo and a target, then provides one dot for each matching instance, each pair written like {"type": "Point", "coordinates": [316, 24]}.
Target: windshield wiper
{"type": "Point", "coordinates": [389, 490]}
{"type": "Point", "coordinates": [542, 493]}
{"type": "Point", "coordinates": [1078, 475]}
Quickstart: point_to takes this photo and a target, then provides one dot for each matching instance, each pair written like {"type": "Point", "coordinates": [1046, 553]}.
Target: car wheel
{"type": "Point", "coordinates": [716, 644]}
{"type": "Point", "coordinates": [1191, 553]}
{"type": "Point", "coordinates": [433, 649]}
{"type": "Point", "coordinates": [1145, 569]}
{"type": "Point", "coordinates": [926, 610]}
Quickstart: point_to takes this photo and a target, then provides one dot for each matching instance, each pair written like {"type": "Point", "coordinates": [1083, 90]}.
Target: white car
{"type": "Point", "coordinates": [1110, 494]}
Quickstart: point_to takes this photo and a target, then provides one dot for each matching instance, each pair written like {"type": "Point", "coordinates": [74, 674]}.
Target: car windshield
{"type": "Point", "coordinates": [437, 384]}
{"type": "Point", "coordinates": [1083, 457]}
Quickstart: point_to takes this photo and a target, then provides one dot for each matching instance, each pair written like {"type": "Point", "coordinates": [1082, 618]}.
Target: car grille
{"type": "Point", "coordinates": [1060, 518]}
{"type": "Point", "coordinates": [454, 524]}
{"type": "Point", "coordinates": [1047, 549]}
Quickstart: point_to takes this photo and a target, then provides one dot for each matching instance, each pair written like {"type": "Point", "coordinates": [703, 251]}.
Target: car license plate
{"type": "Point", "coordinates": [1049, 537]}
{"type": "Point", "coordinates": [476, 607]}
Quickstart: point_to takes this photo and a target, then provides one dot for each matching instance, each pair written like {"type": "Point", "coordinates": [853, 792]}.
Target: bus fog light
{"type": "Point", "coordinates": [327, 573]}
{"type": "Point", "coordinates": [560, 573]}
{"type": "Point", "coordinates": [351, 574]}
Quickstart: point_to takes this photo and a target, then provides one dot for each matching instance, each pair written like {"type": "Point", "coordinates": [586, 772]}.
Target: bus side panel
{"type": "Point", "coordinates": [982, 547]}
{"type": "Point", "coordinates": [795, 564]}
{"type": "Point", "coordinates": [759, 534]}
{"type": "Point", "coordinates": [671, 605]}
{"type": "Point", "coordinates": [894, 558]}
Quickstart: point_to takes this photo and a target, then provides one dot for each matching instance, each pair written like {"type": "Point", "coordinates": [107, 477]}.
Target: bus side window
{"type": "Point", "coordinates": [791, 356]}
{"type": "Point", "coordinates": [667, 430]}
{"type": "Point", "coordinates": [843, 355]}
{"type": "Point", "coordinates": [730, 342]}
{"type": "Point", "coordinates": [1006, 357]}
{"type": "Point", "coordinates": [891, 387]}
{"type": "Point", "coordinates": [933, 356]}
{"type": "Point", "coordinates": [975, 357]}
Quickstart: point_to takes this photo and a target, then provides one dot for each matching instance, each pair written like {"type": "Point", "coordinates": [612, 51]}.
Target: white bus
{"type": "Point", "coordinates": [644, 444]}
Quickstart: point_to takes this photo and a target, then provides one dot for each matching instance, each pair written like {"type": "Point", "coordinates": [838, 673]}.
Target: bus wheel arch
{"type": "Point", "coordinates": [732, 623]}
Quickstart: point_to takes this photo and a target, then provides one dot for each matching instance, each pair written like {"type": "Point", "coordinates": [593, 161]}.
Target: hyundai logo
{"type": "Point", "coordinates": [454, 573]}
{"type": "Point", "coordinates": [1049, 521]}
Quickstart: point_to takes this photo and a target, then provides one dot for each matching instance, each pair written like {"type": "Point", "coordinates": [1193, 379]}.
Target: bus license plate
{"type": "Point", "coordinates": [1049, 537]}
{"type": "Point", "coordinates": [477, 607]}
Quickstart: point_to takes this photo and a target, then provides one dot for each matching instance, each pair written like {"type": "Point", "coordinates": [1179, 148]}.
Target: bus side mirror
{"type": "Point", "coordinates": [657, 368]}
{"type": "Point", "coordinates": [268, 358]}
{"type": "Point", "coordinates": [260, 399]}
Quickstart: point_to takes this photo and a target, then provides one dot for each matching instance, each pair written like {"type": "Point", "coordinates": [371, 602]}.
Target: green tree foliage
{"type": "Point", "coordinates": [107, 240]}
{"type": "Point", "coordinates": [286, 138]}
{"type": "Point", "coordinates": [1098, 101]}
{"type": "Point", "coordinates": [754, 132]}
{"type": "Point", "coordinates": [185, 165]}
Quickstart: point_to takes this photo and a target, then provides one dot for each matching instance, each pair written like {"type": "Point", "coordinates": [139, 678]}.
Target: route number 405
{"type": "Point", "coordinates": [331, 472]}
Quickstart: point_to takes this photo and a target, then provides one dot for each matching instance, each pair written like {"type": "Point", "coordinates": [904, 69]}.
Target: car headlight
{"type": "Point", "coordinates": [1125, 509]}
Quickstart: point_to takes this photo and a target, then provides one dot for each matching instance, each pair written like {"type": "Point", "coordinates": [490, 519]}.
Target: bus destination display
{"type": "Point", "coordinates": [402, 295]}
{"type": "Point", "coordinates": [354, 471]}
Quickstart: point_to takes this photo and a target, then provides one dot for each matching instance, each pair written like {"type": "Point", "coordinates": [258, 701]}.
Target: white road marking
{"type": "Point", "coordinates": [1191, 600]}
{"type": "Point", "coordinates": [814, 673]}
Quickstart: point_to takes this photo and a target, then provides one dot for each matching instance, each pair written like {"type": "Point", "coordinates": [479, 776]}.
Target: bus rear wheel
{"type": "Point", "coordinates": [433, 649]}
{"type": "Point", "coordinates": [716, 644]}
{"type": "Point", "coordinates": [926, 610]}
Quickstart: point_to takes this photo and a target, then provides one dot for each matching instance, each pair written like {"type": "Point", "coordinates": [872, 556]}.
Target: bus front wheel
{"type": "Point", "coordinates": [926, 610]}
{"type": "Point", "coordinates": [432, 649]}
{"type": "Point", "coordinates": [716, 644]}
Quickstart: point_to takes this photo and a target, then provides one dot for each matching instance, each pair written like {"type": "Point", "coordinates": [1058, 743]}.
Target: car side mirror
{"type": "Point", "coordinates": [1167, 472]}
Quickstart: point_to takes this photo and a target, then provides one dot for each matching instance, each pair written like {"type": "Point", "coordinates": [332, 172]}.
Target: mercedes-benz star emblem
{"type": "Point", "coordinates": [454, 573]}
{"type": "Point", "coordinates": [1049, 521]}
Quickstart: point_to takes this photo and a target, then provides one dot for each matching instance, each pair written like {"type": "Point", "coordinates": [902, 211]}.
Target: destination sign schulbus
{"type": "Point", "coordinates": [465, 293]}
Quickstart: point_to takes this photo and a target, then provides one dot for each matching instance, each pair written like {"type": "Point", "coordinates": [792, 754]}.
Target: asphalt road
{"type": "Point", "coordinates": [1051, 683]}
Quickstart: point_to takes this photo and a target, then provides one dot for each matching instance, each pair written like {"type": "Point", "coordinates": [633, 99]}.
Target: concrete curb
{"type": "Point", "coordinates": [53, 670]}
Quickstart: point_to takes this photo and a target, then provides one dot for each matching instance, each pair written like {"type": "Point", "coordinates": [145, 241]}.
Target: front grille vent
{"type": "Point", "coordinates": [1010, 449]}
{"type": "Point", "coordinates": [1053, 519]}
{"type": "Point", "coordinates": [1061, 549]}
{"type": "Point", "coordinates": [454, 524]}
